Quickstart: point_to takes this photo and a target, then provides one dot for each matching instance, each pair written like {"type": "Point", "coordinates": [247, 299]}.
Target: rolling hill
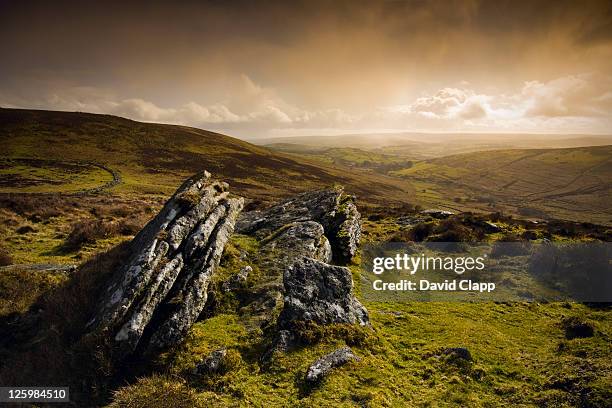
{"type": "Point", "coordinates": [572, 183]}
{"type": "Point", "coordinates": [45, 151]}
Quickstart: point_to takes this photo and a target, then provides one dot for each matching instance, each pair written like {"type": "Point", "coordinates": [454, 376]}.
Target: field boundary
{"type": "Point", "coordinates": [116, 176]}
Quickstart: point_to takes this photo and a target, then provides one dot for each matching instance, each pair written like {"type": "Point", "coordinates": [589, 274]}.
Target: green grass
{"type": "Point", "coordinates": [50, 177]}
{"type": "Point", "coordinates": [555, 183]}
{"type": "Point", "coordinates": [521, 358]}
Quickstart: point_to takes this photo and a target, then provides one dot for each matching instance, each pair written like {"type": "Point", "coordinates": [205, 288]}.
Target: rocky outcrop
{"type": "Point", "coordinates": [315, 293]}
{"type": "Point", "coordinates": [321, 225]}
{"type": "Point", "coordinates": [160, 291]}
{"type": "Point", "coordinates": [323, 366]}
{"type": "Point", "coordinates": [320, 293]}
{"type": "Point", "coordinates": [299, 238]}
{"type": "Point", "coordinates": [334, 210]}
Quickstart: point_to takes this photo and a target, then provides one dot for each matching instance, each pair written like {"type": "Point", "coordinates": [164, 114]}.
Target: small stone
{"type": "Point", "coordinates": [457, 353]}
{"type": "Point", "coordinates": [211, 364]}
{"type": "Point", "coordinates": [440, 214]}
{"type": "Point", "coordinates": [238, 280]}
{"type": "Point", "coordinates": [323, 366]}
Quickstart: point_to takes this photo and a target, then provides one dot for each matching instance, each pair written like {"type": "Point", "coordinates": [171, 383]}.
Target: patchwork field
{"type": "Point", "coordinates": [571, 183]}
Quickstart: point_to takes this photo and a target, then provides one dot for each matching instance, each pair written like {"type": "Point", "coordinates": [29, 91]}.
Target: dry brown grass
{"type": "Point", "coordinates": [161, 391]}
{"type": "Point", "coordinates": [5, 257]}
{"type": "Point", "coordinates": [43, 346]}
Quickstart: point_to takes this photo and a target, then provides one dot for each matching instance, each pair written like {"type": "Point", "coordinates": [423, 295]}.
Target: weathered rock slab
{"type": "Point", "coordinates": [157, 295]}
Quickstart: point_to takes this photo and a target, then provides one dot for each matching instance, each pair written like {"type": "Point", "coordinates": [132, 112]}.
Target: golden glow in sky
{"type": "Point", "coordinates": [261, 68]}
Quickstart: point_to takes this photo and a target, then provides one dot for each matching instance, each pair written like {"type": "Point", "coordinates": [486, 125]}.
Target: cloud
{"type": "Point", "coordinates": [575, 95]}
{"type": "Point", "coordinates": [571, 103]}
{"type": "Point", "coordinates": [247, 105]}
{"type": "Point", "coordinates": [574, 103]}
{"type": "Point", "coordinates": [450, 103]}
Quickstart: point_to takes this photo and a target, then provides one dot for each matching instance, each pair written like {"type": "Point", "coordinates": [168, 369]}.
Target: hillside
{"type": "Point", "coordinates": [153, 158]}
{"type": "Point", "coordinates": [572, 183]}
{"type": "Point", "coordinates": [420, 146]}
{"type": "Point", "coordinates": [346, 156]}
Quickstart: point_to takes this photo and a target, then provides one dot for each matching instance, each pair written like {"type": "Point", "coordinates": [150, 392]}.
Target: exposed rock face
{"type": "Point", "coordinates": [162, 288]}
{"type": "Point", "coordinates": [334, 210]}
{"type": "Point", "coordinates": [299, 237]}
{"type": "Point", "coordinates": [320, 225]}
{"type": "Point", "coordinates": [320, 293]}
{"type": "Point", "coordinates": [298, 240]}
{"type": "Point", "coordinates": [323, 366]}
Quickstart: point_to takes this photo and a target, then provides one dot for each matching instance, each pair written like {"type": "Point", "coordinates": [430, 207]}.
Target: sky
{"type": "Point", "coordinates": [262, 68]}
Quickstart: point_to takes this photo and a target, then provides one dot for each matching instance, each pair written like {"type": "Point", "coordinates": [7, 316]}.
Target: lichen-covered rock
{"type": "Point", "coordinates": [162, 288]}
{"type": "Point", "coordinates": [320, 293]}
{"type": "Point", "coordinates": [323, 366]}
{"type": "Point", "coordinates": [344, 229]}
{"type": "Point", "coordinates": [279, 250]}
{"type": "Point", "coordinates": [213, 363]}
{"type": "Point", "coordinates": [298, 240]}
{"type": "Point", "coordinates": [334, 210]}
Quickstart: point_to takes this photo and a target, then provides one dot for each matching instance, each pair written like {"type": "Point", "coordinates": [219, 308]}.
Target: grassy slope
{"type": "Point", "coordinates": [351, 155]}
{"type": "Point", "coordinates": [154, 158]}
{"type": "Point", "coordinates": [566, 183]}
{"type": "Point", "coordinates": [571, 183]}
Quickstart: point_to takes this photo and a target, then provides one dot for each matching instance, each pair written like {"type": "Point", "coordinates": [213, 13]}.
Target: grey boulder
{"type": "Point", "coordinates": [320, 293]}
{"type": "Point", "coordinates": [334, 210]}
{"type": "Point", "coordinates": [323, 366]}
